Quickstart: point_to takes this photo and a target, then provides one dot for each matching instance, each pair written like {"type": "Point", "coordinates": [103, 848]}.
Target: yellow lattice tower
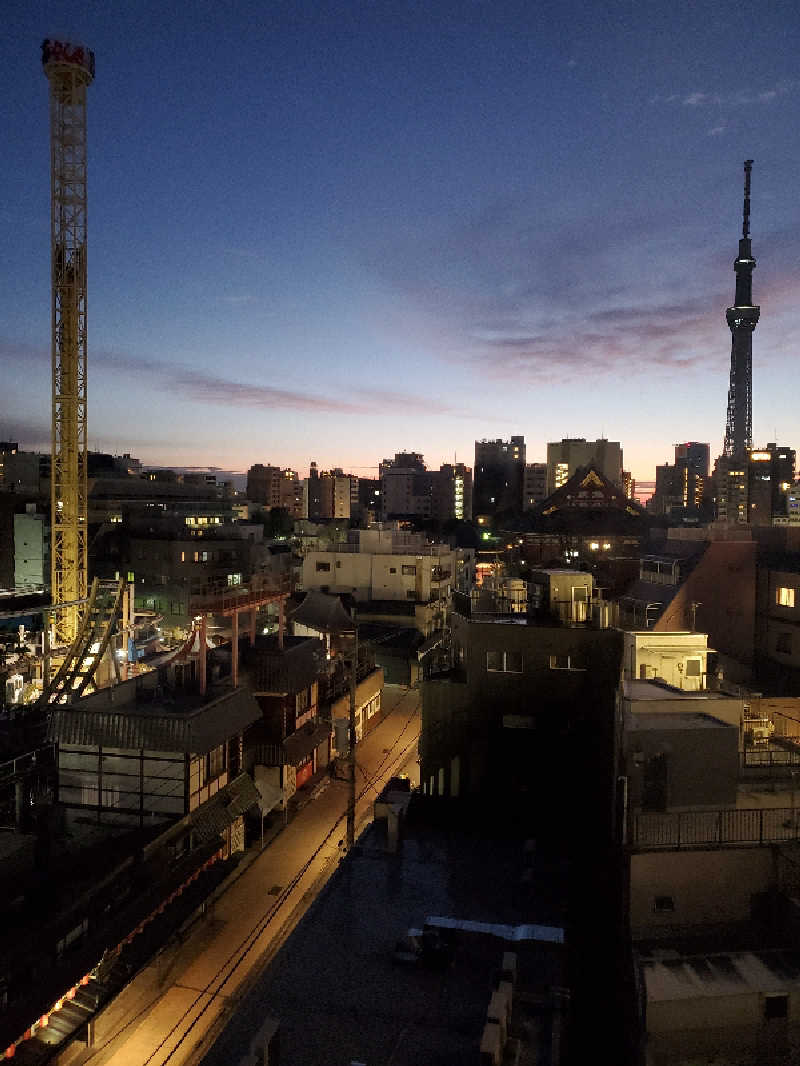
{"type": "Point", "coordinates": [70, 70]}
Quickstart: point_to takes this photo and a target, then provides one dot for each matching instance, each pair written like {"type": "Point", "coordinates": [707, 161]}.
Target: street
{"type": "Point", "coordinates": [174, 1010]}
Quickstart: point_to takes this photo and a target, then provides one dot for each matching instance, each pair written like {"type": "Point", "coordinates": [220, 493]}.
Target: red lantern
{"type": "Point", "coordinates": [71, 993]}
{"type": "Point", "coordinates": [43, 1021]}
{"type": "Point", "coordinates": [11, 1051]}
{"type": "Point", "coordinates": [85, 979]}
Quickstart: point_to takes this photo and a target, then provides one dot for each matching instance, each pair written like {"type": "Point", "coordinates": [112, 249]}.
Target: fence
{"type": "Point", "coordinates": [721, 828]}
{"type": "Point", "coordinates": [42, 759]}
{"type": "Point", "coordinates": [769, 757]}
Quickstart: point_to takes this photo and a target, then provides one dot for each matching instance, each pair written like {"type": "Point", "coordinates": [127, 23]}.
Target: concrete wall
{"type": "Point", "coordinates": [381, 576]}
{"type": "Point", "coordinates": [708, 888]}
{"type": "Point", "coordinates": [728, 710]}
{"type": "Point", "coordinates": [723, 584]}
{"type": "Point", "coordinates": [717, 1012]}
{"type": "Point", "coordinates": [702, 763]}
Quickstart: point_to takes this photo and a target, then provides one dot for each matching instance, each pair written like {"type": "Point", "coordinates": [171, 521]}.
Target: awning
{"type": "Point", "coordinates": [218, 814]}
{"type": "Point", "coordinates": [304, 741]}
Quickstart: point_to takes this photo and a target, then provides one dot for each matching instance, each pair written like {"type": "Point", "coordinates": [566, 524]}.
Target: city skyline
{"type": "Point", "coordinates": [336, 232]}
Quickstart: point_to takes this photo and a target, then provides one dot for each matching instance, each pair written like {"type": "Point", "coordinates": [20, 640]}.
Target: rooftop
{"type": "Point", "coordinates": [134, 715]}
{"type": "Point", "coordinates": [371, 1008]}
{"type": "Point", "coordinates": [660, 690]}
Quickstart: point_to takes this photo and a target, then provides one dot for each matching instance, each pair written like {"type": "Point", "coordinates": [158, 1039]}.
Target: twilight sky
{"type": "Point", "coordinates": [335, 230]}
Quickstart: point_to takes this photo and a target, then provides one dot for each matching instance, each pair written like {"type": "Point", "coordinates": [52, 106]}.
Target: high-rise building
{"type": "Point", "coordinates": [410, 491]}
{"type": "Point", "coordinates": [499, 475]}
{"type": "Point", "coordinates": [754, 488]}
{"type": "Point", "coordinates": [695, 455]}
{"type": "Point", "coordinates": [570, 454]}
{"type": "Point", "coordinates": [328, 494]}
{"type": "Point", "coordinates": [405, 487]}
{"type": "Point", "coordinates": [534, 485]}
{"type": "Point", "coordinates": [770, 476]}
{"type": "Point", "coordinates": [273, 487]}
{"type": "Point", "coordinates": [684, 490]}
{"type": "Point", "coordinates": [451, 492]}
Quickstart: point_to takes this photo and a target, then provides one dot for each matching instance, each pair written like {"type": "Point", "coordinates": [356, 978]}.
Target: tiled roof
{"type": "Point", "coordinates": [156, 728]}
{"type": "Point", "coordinates": [221, 811]}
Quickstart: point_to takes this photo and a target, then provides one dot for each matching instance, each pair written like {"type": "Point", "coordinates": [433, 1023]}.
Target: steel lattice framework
{"type": "Point", "coordinates": [742, 319]}
{"type": "Point", "coordinates": [70, 70]}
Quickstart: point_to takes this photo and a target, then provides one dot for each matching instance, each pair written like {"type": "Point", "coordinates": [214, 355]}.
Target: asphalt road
{"type": "Point", "coordinates": [175, 1011]}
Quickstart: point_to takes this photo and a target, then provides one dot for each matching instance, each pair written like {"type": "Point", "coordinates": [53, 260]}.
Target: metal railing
{"type": "Point", "coordinates": [41, 759]}
{"type": "Point", "coordinates": [770, 757]}
{"type": "Point", "coordinates": [729, 827]}
{"type": "Point", "coordinates": [348, 548]}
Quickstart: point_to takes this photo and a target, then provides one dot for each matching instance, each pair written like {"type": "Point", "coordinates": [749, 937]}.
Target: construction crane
{"type": "Point", "coordinates": [70, 70]}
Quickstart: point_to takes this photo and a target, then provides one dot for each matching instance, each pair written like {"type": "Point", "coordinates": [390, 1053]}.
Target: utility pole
{"type": "Point", "coordinates": [351, 801]}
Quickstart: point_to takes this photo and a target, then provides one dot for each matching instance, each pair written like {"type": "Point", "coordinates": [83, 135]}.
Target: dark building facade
{"type": "Point", "coordinates": [499, 476]}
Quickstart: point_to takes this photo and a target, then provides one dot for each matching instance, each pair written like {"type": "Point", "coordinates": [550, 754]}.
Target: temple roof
{"type": "Point", "coordinates": [324, 613]}
{"type": "Point", "coordinates": [588, 502]}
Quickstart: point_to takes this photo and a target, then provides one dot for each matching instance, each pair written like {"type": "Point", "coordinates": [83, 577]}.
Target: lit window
{"type": "Point", "coordinates": [594, 545]}
{"type": "Point", "coordinates": [784, 597]}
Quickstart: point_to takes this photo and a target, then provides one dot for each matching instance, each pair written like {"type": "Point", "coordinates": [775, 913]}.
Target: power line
{"type": "Point", "coordinates": [246, 945]}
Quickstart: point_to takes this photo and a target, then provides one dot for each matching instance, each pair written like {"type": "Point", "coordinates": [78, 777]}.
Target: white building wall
{"type": "Point", "coordinates": [380, 575]}
{"type": "Point", "coordinates": [680, 659]}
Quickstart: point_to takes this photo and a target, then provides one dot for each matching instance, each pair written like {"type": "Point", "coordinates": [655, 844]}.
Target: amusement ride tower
{"type": "Point", "coordinates": [70, 70]}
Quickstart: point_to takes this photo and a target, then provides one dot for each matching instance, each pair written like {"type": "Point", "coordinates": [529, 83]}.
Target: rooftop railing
{"type": "Point", "coordinates": [724, 828]}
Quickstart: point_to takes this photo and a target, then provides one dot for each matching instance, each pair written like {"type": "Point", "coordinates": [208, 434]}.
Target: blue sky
{"type": "Point", "coordinates": [333, 231]}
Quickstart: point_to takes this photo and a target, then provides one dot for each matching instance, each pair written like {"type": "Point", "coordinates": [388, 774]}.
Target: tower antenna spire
{"type": "Point", "coordinates": [742, 320]}
{"type": "Point", "coordinates": [748, 166]}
